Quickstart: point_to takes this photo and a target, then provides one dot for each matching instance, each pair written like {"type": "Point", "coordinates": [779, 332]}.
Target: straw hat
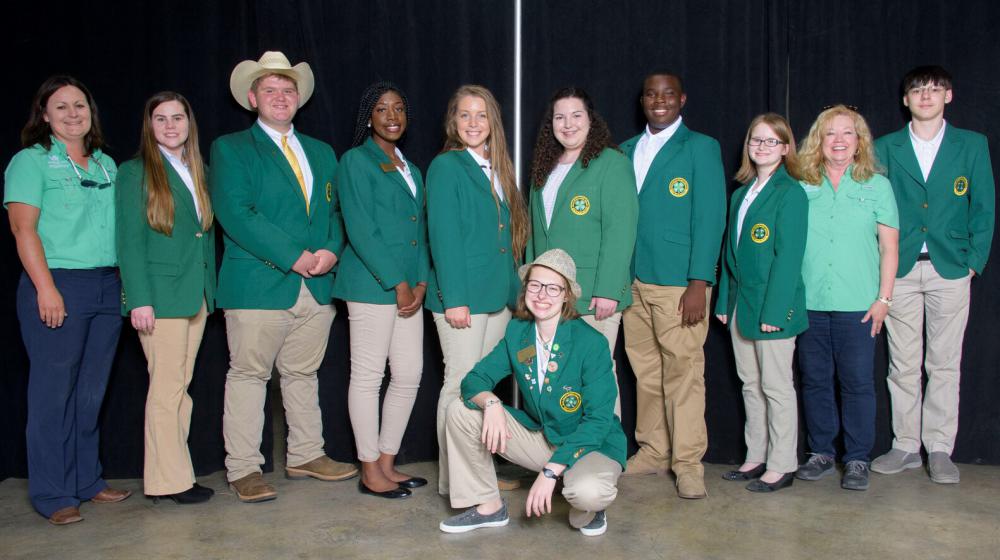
{"type": "Point", "coordinates": [559, 261]}
{"type": "Point", "coordinates": [271, 62]}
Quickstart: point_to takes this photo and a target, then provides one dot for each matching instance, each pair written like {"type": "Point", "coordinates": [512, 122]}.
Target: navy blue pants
{"type": "Point", "coordinates": [69, 372]}
{"type": "Point", "coordinates": [838, 346]}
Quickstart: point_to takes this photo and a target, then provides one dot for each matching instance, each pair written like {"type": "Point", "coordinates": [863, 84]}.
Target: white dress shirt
{"type": "Point", "coordinates": [751, 196]}
{"type": "Point", "coordinates": [293, 143]}
{"type": "Point", "coordinates": [926, 151]}
{"type": "Point", "coordinates": [182, 169]}
{"type": "Point", "coordinates": [646, 149]}
{"type": "Point", "coordinates": [406, 173]}
{"type": "Point", "coordinates": [551, 189]}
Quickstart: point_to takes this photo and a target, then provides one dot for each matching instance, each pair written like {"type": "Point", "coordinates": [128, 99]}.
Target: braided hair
{"type": "Point", "coordinates": [367, 104]}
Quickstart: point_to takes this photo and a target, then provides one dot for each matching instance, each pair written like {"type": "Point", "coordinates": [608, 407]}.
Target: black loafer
{"type": "Point", "coordinates": [393, 494]}
{"type": "Point", "coordinates": [203, 490]}
{"type": "Point", "coordinates": [413, 482]}
{"type": "Point", "coordinates": [751, 474]}
{"type": "Point", "coordinates": [194, 495]}
{"type": "Point", "coordinates": [759, 485]}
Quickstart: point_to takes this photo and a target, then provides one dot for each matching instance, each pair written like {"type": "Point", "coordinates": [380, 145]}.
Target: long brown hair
{"type": "Point", "coordinates": [499, 159]}
{"type": "Point", "coordinates": [811, 159]}
{"type": "Point", "coordinates": [548, 150]}
{"type": "Point", "coordinates": [748, 170]}
{"type": "Point", "coordinates": [159, 198]}
{"type": "Point", "coordinates": [38, 131]}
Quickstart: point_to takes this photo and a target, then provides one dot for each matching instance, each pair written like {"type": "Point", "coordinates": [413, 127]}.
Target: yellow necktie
{"type": "Point", "coordinates": [294, 162]}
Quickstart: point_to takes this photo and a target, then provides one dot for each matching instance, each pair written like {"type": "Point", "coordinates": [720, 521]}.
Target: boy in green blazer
{"type": "Point", "coordinates": [943, 182]}
{"type": "Point", "coordinates": [272, 190]}
{"type": "Point", "coordinates": [682, 209]}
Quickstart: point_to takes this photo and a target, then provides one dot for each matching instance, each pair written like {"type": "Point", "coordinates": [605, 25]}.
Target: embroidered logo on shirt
{"type": "Point", "coordinates": [961, 186]}
{"type": "Point", "coordinates": [570, 401]}
{"type": "Point", "coordinates": [329, 192]}
{"type": "Point", "coordinates": [759, 233]}
{"type": "Point", "coordinates": [678, 186]}
{"type": "Point", "coordinates": [580, 205]}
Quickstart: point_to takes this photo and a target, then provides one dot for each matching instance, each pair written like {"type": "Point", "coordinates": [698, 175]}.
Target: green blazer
{"type": "Point", "coordinates": [576, 410]}
{"type": "Point", "coordinates": [386, 227]}
{"type": "Point", "coordinates": [594, 221]}
{"type": "Point", "coordinates": [174, 273]}
{"type": "Point", "coordinates": [762, 277]}
{"type": "Point", "coordinates": [470, 240]}
{"type": "Point", "coordinates": [952, 211]}
{"type": "Point", "coordinates": [682, 210]}
{"type": "Point", "coordinates": [260, 206]}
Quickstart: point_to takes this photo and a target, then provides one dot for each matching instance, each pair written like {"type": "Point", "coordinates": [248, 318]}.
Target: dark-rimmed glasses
{"type": "Point", "coordinates": [769, 142]}
{"type": "Point", "coordinates": [551, 290]}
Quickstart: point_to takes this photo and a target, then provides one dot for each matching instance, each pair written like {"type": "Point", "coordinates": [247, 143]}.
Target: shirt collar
{"type": "Point", "coordinates": [664, 135]}
{"type": "Point", "coordinates": [170, 157]}
{"type": "Point", "coordinates": [58, 147]}
{"type": "Point", "coordinates": [936, 141]}
{"type": "Point", "coordinates": [274, 134]}
{"type": "Point", "coordinates": [481, 162]}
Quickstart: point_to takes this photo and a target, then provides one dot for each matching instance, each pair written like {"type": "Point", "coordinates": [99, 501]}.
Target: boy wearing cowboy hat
{"type": "Point", "coordinates": [272, 189]}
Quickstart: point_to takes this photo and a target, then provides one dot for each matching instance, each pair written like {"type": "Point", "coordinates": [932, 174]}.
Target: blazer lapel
{"type": "Point", "coordinates": [475, 172]}
{"type": "Point", "coordinates": [574, 173]}
{"type": "Point", "coordinates": [267, 147]}
{"type": "Point", "coordinates": [902, 152]}
{"type": "Point", "coordinates": [388, 168]}
{"type": "Point", "coordinates": [667, 153]}
{"type": "Point", "coordinates": [561, 346]}
{"type": "Point", "coordinates": [951, 145]}
{"type": "Point", "coordinates": [181, 192]}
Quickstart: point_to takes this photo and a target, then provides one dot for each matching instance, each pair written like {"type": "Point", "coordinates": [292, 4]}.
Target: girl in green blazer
{"type": "Point", "coordinates": [762, 278]}
{"type": "Point", "coordinates": [166, 252]}
{"type": "Point", "coordinates": [477, 226]}
{"type": "Point", "coordinates": [383, 278]}
{"type": "Point", "coordinates": [584, 201]}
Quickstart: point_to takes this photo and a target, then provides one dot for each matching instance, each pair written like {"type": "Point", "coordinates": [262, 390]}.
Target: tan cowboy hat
{"type": "Point", "coordinates": [271, 62]}
{"type": "Point", "coordinates": [559, 261]}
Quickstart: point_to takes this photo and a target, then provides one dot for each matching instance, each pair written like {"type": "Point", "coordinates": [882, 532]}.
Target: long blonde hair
{"type": "Point", "coordinates": [159, 198]}
{"type": "Point", "coordinates": [499, 160]}
{"type": "Point", "coordinates": [748, 170]}
{"type": "Point", "coordinates": [811, 159]}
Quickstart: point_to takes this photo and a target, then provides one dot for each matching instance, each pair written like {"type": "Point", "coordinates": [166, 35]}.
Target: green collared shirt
{"type": "Point", "coordinates": [76, 224]}
{"type": "Point", "coordinates": [841, 264]}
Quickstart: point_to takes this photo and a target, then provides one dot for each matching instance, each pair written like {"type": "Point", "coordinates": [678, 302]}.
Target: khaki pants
{"type": "Point", "coordinates": [609, 328]}
{"type": "Point", "coordinates": [378, 333]}
{"type": "Point", "coordinates": [922, 299]}
{"type": "Point", "coordinates": [589, 486]}
{"type": "Point", "coordinates": [772, 426]}
{"type": "Point", "coordinates": [170, 351]}
{"type": "Point", "coordinates": [295, 341]}
{"type": "Point", "coordinates": [462, 349]}
{"type": "Point", "coordinates": [669, 365]}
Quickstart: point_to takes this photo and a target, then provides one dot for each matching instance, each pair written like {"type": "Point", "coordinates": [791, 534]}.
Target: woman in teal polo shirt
{"type": "Point", "coordinates": [849, 269]}
{"type": "Point", "coordinates": [383, 278]}
{"type": "Point", "coordinates": [59, 193]}
{"type": "Point", "coordinates": [477, 226]}
{"type": "Point", "coordinates": [166, 252]}
{"type": "Point", "coordinates": [762, 279]}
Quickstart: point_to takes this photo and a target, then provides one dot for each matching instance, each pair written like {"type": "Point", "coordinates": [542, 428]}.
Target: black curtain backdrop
{"type": "Point", "coordinates": [737, 60]}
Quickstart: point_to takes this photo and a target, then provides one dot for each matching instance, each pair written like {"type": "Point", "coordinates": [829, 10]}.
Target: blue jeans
{"type": "Point", "coordinates": [69, 372]}
{"type": "Point", "coordinates": [838, 342]}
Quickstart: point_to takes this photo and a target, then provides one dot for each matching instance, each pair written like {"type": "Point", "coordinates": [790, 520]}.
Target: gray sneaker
{"type": "Point", "coordinates": [896, 461]}
{"type": "Point", "coordinates": [815, 468]}
{"type": "Point", "coordinates": [471, 519]}
{"type": "Point", "coordinates": [942, 470]}
{"type": "Point", "coordinates": [597, 526]}
{"type": "Point", "coordinates": [855, 476]}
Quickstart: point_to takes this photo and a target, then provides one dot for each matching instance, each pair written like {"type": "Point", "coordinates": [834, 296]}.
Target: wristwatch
{"type": "Point", "coordinates": [549, 473]}
{"type": "Point", "coordinates": [490, 402]}
{"type": "Point", "coordinates": [885, 300]}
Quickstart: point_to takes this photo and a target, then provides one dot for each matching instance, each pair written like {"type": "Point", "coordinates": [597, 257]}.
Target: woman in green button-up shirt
{"type": "Point", "coordinates": [383, 278]}
{"type": "Point", "coordinates": [59, 192]}
{"type": "Point", "coordinates": [477, 226]}
{"type": "Point", "coordinates": [166, 248]}
{"type": "Point", "coordinates": [849, 268]}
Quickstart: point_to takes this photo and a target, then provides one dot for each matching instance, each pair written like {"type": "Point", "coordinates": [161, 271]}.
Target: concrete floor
{"type": "Point", "coordinates": [901, 516]}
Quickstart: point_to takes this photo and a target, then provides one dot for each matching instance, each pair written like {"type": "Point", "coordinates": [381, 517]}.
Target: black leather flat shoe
{"type": "Point", "coordinates": [203, 490]}
{"type": "Point", "coordinates": [193, 495]}
{"type": "Point", "coordinates": [413, 482]}
{"type": "Point", "coordinates": [751, 474]}
{"type": "Point", "coordinates": [759, 485]}
{"type": "Point", "coordinates": [390, 494]}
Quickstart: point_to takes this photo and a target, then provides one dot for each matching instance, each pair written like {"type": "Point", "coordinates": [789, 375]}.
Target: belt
{"type": "Point", "coordinates": [924, 257]}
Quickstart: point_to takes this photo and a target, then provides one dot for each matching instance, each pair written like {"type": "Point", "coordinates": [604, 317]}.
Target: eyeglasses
{"type": "Point", "coordinates": [551, 290]}
{"type": "Point", "coordinates": [87, 183]}
{"type": "Point", "coordinates": [936, 90]}
{"type": "Point", "coordinates": [769, 142]}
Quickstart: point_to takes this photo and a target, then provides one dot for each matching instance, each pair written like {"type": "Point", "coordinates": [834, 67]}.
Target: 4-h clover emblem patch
{"type": "Point", "coordinates": [678, 186]}
{"type": "Point", "coordinates": [580, 205]}
{"type": "Point", "coordinates": [759, 233]}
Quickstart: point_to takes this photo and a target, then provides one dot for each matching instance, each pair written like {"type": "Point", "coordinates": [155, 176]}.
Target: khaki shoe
{"type": "Point", "coordinates": [65, 516]}
{"type": "Point", "coordinates": [322, 468]}
{"type": "Point", "coordinates": [641, 463]}
{"type": "Point", "coordinates": [691, 486]}
{"type": "Point", "coordinates": [252, 488]}
{"type": "Point", "coordinates": [507, 484]}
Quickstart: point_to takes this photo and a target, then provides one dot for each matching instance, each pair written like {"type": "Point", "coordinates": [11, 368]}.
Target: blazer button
{"type": "Point", "coordinates": [414, 242]}
{"type": "Point", "coordinates": [503, 249]}
{"type": "Point", "coordinates": [198, 235]}
{"type": "Point", "coordinates": [501, 226]}
{"type": "Point", "coordinates": [925, 205]}
{"type": "Point", "coordinates": [924, 229]}
{"type": "Point", "coordinates": [413, 218]}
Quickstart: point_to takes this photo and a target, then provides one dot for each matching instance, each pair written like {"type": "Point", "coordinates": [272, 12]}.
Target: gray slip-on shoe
{"type": "Point", "coordinates": [471, 519]}
{"type": "Point", "coordinates": [941, 469]}
{"type": "Point", "coordinates": [896, 461]}
{"type": "Point", "coordinates": [816, 467]}
{"type": "Point", "coordinates": [855, 476]}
